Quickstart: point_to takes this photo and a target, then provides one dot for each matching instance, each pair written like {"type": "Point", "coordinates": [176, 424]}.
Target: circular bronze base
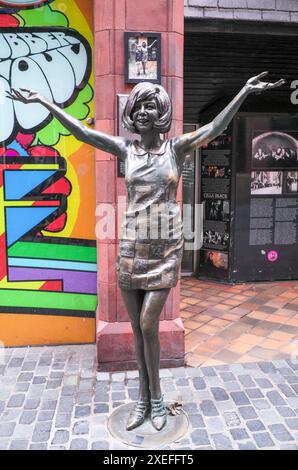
{"type": "Point", "coordinates": [146, 436]}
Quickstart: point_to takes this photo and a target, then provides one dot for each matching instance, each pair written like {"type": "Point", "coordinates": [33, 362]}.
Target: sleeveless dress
{"type": "Point", "coordinates": [151, 237]}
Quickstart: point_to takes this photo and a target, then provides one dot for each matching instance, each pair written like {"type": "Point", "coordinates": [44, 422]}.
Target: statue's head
{"type": "Point", "coordinates": [159, 112]}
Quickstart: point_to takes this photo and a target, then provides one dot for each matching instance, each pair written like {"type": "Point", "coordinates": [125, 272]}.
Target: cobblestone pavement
{"type": "Point", "coordinates": [52, 398]}
{"type": "Point", "coordinates": [239, 323]}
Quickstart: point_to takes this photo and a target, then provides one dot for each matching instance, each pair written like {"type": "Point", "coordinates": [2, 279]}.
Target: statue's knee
{"type": "Point", "coordinates": [148, 328]}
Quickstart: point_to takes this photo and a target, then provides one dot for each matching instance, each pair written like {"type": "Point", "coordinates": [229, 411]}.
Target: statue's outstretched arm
{"type": "Point", "coordinates": [207, 133]}
{"type": "Point", "coordinates": [115, 145]}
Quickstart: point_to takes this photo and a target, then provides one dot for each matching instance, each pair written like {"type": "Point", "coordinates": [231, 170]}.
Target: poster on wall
{"type": "Point", "coordinates": [266, 212]}
{"type": "Point", "coordinates": [48, 265]}
{"type": "Point", "coordinates": [266, 182]}
{"type": "Point", "coordinates": [142, 57]}
{"type": "Point", "coordinates": [274, 149]}
{"type": "Point", "coordinates": [216, 174]}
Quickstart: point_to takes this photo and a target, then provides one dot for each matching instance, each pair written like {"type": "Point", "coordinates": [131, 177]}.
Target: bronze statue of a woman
{"type": "Point", "coordinates": [149, 261]}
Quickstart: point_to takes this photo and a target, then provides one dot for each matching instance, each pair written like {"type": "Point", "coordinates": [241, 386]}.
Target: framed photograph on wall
{"type": "Point", "coordinates": [142, 57]}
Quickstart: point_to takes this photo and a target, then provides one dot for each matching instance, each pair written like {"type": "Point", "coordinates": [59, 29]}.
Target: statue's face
{"type": "Point", "coordinates": [144, 115]}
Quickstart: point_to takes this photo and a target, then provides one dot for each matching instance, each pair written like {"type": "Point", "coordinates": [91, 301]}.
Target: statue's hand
{"type": "Point", "coordinates": [255, 85]}
{"type": "Point", "coordinates": [29, 96]}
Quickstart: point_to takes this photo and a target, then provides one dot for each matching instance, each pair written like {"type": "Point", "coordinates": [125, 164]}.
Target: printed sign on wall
{"type": "Point", "coordinates": [216, 174]}
{"type": "Point", "coordinates": [266, 213]}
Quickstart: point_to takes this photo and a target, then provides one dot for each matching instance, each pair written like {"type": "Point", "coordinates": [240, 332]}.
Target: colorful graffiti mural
{"type": "Point", "coordinates": [47, 189]}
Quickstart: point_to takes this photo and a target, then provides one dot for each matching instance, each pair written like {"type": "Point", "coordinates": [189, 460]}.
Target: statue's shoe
{"type": "Point", "coordinates": [158, 414]}
{"type": "Point", "coordinates": [138, 415]}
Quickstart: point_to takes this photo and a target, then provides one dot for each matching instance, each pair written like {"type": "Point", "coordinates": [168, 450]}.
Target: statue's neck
{"type": "Point", "coordinates": [150, 141]}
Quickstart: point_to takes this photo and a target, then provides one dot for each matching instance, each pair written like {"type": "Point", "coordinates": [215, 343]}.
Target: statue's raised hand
{"type": "Point", "coordinates": [255, 84]}
{"type": "Point", "coordinates": [29, 96]}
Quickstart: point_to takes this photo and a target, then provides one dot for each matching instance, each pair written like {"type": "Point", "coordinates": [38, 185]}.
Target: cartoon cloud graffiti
{"type": "Point", "coordinates": [31, 58]}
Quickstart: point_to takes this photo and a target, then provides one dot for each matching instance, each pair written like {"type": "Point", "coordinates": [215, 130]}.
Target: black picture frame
{"type": "Point", "coordinates": [148, 67]}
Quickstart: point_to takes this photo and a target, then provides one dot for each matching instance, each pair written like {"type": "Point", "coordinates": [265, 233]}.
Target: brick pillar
{"type": "Point", "coordinates": [115, 345]}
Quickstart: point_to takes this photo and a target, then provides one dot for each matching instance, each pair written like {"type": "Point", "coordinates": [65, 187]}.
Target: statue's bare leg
{"type": "Point", "coordinates": [153, 304]}
{"type": "Point", "coordinates": [133, 300]}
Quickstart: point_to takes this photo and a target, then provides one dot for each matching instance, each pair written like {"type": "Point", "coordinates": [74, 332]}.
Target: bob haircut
{"type": "Point", "coordinates": [145, 91]}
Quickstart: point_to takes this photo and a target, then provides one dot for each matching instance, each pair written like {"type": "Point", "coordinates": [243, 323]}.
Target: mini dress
{"type": "Point", "coordinates": [151, 236]}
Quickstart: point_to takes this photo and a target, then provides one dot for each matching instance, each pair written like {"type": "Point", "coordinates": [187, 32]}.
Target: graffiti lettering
{"type": "Point", "coordinates": [36, 59]}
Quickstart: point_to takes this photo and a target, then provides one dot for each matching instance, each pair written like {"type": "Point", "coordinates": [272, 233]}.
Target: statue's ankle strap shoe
{"type": "Point", "coordinates": [158, 413]}
{"type": "Point", "coordinates": [138, 415]}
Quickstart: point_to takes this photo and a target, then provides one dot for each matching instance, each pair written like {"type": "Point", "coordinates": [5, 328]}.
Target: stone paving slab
{"type": "Point", "coordinates": [53, 398]}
